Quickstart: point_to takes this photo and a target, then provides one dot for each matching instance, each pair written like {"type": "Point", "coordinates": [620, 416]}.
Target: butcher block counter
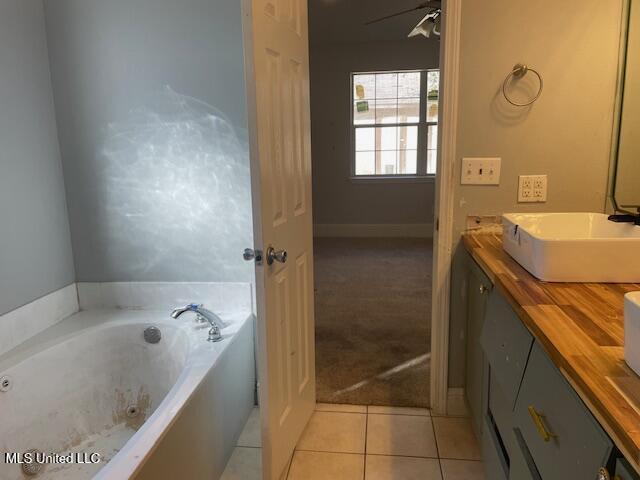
{"type": "Point", "coordinates": [581, 328]}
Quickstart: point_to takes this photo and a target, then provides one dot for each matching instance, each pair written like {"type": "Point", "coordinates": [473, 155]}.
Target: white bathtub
{"type": "Point", "coordinates": [92, 384]}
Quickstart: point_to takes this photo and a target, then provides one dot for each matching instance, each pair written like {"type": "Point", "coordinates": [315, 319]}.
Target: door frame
{"type": "Point", "coordinates": [444, 199]}
{"type": "Point", "coordinates": [444, 204]}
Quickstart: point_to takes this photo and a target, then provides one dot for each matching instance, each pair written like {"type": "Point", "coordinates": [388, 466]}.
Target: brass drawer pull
{"type": "Point", "coordinates": [539, 423]}
{"type": "Point", "coordinates": [603, 474]}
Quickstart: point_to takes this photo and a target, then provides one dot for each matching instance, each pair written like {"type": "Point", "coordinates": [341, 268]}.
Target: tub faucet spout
{"type": "Point", "coordinates": [204, 315]}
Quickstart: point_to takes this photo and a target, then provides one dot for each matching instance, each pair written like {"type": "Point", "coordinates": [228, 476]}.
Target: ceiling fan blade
{"type": "Point", "coordinates": [429, 4]}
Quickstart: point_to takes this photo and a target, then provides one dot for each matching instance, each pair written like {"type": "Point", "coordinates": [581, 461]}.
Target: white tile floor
{"type": "Point", "coordinates": [352, 442]}
{"type": "Point", "coordinates": [246, 461]}
{"type": "Point", "coordinates": [250, 436]}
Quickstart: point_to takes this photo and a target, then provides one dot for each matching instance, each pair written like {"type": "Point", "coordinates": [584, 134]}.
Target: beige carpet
{"type": "Point", "coordinates": [373, 310]}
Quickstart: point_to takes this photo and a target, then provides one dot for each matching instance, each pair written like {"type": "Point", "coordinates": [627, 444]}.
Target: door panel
{"type": "Point", "coordinates": [277, 63]}
{"type": "Point", "coordinates": [303, 314]}
{"type": "Point", "coordinates": [275, 182]}
{"type": "Point", "coordinates": [283, 339]}
{"type": "Point", "coordinates": [297, 150]}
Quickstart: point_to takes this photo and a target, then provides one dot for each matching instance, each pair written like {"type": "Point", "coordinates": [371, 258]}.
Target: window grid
{"type": "Point", "coordinates": [417, 158]}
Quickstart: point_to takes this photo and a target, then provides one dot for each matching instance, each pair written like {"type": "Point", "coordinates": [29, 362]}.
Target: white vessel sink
{"type": "Point", "coordinates": [573, 247]}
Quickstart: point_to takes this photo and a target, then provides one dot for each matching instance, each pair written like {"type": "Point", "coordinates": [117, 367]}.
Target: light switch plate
{"type": "Point", "coordinates": [532, 188]}
{"type": "Point", "coordinates": [480, 171]}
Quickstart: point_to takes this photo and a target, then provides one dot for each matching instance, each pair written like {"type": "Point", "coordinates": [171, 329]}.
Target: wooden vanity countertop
{"type": "Point", "coordinates": [581, 326]}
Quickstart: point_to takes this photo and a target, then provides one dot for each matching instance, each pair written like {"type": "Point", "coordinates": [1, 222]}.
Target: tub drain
{"type": "Point", "coordinates": [33, 467]}
{"type": "Point", "coordinates": [132, 411]}
{"type": "Point", "coordinates": [152, 335]}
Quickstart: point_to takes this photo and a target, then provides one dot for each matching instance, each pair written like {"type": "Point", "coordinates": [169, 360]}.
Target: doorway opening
{"type": "Point", "coordinates": [374, 117]}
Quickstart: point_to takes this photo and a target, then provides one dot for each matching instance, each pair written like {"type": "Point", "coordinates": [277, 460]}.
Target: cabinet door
{"type": "Point", "coordinates": [564, 439]}
{"type": "Point", "coordinates": [506, 343]}
{"type": "Point", "coordinates": [502, 412]}
{"type": "Point", "coordinates": [478, 288]}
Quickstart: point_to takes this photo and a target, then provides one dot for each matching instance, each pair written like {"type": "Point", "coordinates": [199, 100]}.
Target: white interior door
{"type": "Point", "coordinates": [277, 62]}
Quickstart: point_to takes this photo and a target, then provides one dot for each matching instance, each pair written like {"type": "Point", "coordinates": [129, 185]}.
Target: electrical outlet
{"type": "Point", "coordinates": [532, 188]}
{"type": "Point", "coordinates": [480, 171]}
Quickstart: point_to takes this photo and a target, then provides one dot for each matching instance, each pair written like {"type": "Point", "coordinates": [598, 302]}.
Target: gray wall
{"type": "Point", "coordinates": [35, 246]}
{"type": "Point", "coordinates": [337, 200]}
{"type": "Point", "coordinates": [150, 105]}
{"type": "Point", "coordinates": [566, 134]}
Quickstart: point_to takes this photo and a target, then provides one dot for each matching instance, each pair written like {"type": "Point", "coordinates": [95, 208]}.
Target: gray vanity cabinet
{"type": "Point", "coordinates": [478, 288]}
{"type": "Point", "coordinates": [564, 439]}
{"type": "Point", "coordinates": [531, 423]}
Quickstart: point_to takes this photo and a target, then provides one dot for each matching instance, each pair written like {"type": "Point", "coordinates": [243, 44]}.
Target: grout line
{"type": "Point", "coordinates": [401, 456]}
{"type": "Point", "coordinates": [328, 451]}
{"type": "Point", "coordinates": [450, 416]}
{"type": "Point", "coordinates": [366, 434]}
{"type": "Point", "coordinates": [333, 453]}
{"type": "Point", "coordinates": [344, 413]}
{"type": "Point", "coordinates": [289, 466]}
{"type": "Point", "coordinates": [401, 414]}
{"type": "Point", "coordinates": [427, 412]}
{"type": "Point", "coordinates": [382, 455]}
{"type": "Point", "coordinates": [435, 436]}
{"type": "Point", "coordinates": [457, 460]}
{"type": "Point", "coordinates": [461, 459]}
{"type": "Point", "coordinates": [340, 411]}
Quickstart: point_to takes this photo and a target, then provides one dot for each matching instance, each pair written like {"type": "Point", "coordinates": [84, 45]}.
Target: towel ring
{"type": "Point", "coordinates": [520, 70]}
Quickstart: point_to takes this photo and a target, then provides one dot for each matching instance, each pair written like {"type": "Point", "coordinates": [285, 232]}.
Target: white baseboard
{"type": "Point", "coordinates": [386, 230]}
{"type": "Point", "coordinates": [457, 403]}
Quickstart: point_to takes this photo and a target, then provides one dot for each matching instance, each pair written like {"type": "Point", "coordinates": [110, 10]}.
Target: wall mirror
{"type": "Point", "coordinates": [626, 183]}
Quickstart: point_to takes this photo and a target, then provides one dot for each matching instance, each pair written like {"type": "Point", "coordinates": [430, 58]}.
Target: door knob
{"type": "Point", "coordinates": [251, 254]}
{"type": "Point", "coordinates": [274, 255]}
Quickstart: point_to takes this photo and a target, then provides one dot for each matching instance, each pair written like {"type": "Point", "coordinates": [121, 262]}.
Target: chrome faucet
{"type": "Point", "coordinates": [204, 315]}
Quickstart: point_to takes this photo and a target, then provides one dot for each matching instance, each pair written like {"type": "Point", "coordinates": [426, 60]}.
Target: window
{"type": "Point", "coordinates": [395, 123]}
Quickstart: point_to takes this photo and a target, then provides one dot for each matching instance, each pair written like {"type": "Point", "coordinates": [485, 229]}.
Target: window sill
{"type": "Point", "coordinates": [392, 179]}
